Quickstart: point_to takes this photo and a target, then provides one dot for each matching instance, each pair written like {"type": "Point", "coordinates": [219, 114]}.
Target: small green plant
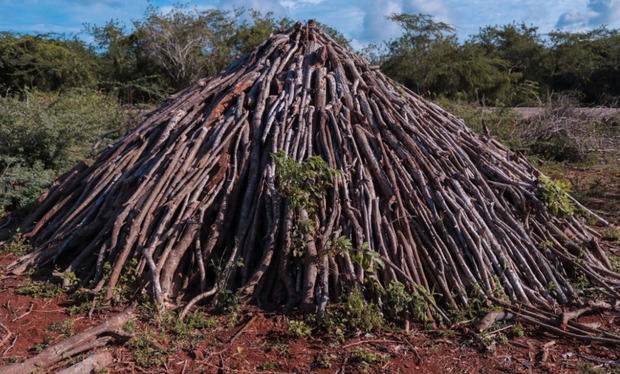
{"type": "Point", "coordinates": [340, 245]}
{"type": "Point", "coordinates": [397, 300]}
{"type": "Point", "coordinates": [70, 278]}
{"type": "Point", "coordinates": [197, 321]}
{"type": "Point", "coordinates": [551, 287]}
{"type": "Point", "coordinates": [359, 314]}
{"type": "Point", "coordinates": [192, 329]}
{"type": "Point", "coordinates": [148, 350]}
{"type": "Point", "coordinates": [370, 261]}
{"type": "Point", "coordinates": [612, 235]}
{"type": "Point", "coordinates": [227, 301]}
{"type": "Point", "coordinates": [364, 358]}
{"type": "Point", "coordinates": [280, 348]}
{"type": "Point", "coordinates": [127, 281]}
{"type": "Point", "coordinates": [38, 348]}
{"type": "Point", "coordinates": [588, 368]}
{"type": "Point", "coordinates": [269, 365]}
{"type": "Point", "coordinates": [303, 183]}
{"type": "Point", "coordinates": [130, 326]}
{"type": "Point", "coordinates": [333, 323]}
{"type": "Point", "coordinates": [615, 263]}
{"type": "Point", "coordinates": [83, 301]}
{"type": "Point", "coordinates": [518, 331]}
{"type": "Point", "coordinates": [419, 305]}
{"type": "Point", "coordinates": [326, 361]}
{"type": "Point", "coordinates": [64, 328]}
{"type": "Point", "coordinates": [445, 333]}
{"type": "Point", "coordinates": [553, 194]}
{"type": "Point", "coordinates": [298, 329]}
{"type": "Point", "coordinates": [37, 290]}
{"type": "Point", "coordinates": [502, 339]}
{"type": "Point", "coordinates": [18, 245]}
{"type": "Point", "coordinates": [10, 359]}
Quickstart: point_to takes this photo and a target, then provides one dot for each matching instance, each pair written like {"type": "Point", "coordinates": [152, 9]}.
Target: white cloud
{"type": "Point", "coordinates": [437, 9]}
{"type": "Point", "coordinates": [596, 12]}
{"type": "Point", "coordinates": [46, 28]}
{"type": "Point", "coordinates": [288, 4]}
{"type": "Point", "coordinates": [377, 26]}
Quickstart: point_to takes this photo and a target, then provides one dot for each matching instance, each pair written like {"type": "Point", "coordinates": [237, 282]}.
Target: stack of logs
{"type": "Point", "coordinates": [192, 195]}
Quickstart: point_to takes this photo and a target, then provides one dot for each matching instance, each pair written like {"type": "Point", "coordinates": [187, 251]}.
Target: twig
{"type": "Point", "coordinates": [24, 314]}
{"type": "Point", "coordinates": [11, 346]}
{"type": "Point", "coordinates": [369, 341]}
{"type": "Point", "coordinates": [7, 336]}
{"type": "Point", "coordinates": [241, 329]}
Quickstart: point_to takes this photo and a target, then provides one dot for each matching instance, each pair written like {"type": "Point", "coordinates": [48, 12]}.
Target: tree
{"type": "Point", "coordinates": [249, 34]}
{"type": "Point", "coordinates": [587, 63]}
{"type": "Point", "coordinates": [186, 44]}
{"type": "Point", "coordinates": [45, 62]}
{"type": "Point", "coordinates": [124, 68]}
{"type": "Point", "coordinates": [428, 59]}
{"type": "Point", "coordinates": [519, 45]}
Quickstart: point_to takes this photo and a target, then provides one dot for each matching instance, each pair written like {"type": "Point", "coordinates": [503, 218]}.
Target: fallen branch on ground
{"type": "Point", "coordinates": [94, 337]}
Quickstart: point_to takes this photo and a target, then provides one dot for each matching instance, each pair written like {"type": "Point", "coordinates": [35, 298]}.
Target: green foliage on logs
{"type": "Point", "coordinates": [303, 183]}
{"type": "Point", "coordinates": [553, 194]}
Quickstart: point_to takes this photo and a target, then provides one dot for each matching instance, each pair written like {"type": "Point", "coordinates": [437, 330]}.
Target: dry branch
{"type": "Point", "coordinates": [94, 363]}
{"type": "Point", "coordinates": [97, 336]}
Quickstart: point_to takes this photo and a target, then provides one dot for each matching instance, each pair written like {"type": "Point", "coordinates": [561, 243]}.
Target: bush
{"type": "Point", "coordinates": [43, 135]}
{"type": "Point", "coordinates": [20, 184]}
{"type": "Point", "coordinates": [562, 133]}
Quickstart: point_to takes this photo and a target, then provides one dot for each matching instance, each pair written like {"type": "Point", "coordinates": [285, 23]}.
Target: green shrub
{"type": "Point", "coordinates": [553, 195]}
{"type": "Point", "coordinates": [364, 358]}
{"type": "Point", "coordinates": [397, 300]}
{"type": "Point", "coordinates": [37, 290]}
{"type": "Point", "coordinates": [269, 365]}
{"type": "Point", "coordinates": [303, 183]}
{"type": "Point", "coordinates": [298, 329]}
{"type": "Point", "coordinates": [148, 350]}
{"type": "Point", "coordinates": [21, 185]}
{"type": "Point", "coordinates": [56, 130]}
{"type": "Point", "coordinates": [18, 245]}
{"type": "Point", "coordinates": [360, 314]}
{"type": "Point", "coordinates": [612, 235]}
{"type": "Point", "coordinates": [44, 135]}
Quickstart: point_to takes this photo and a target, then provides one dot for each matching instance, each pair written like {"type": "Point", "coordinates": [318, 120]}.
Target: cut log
{"type": "Point", "coordinates": [94, 363]}
{"type": "Point", "coordinates": [94, 337]}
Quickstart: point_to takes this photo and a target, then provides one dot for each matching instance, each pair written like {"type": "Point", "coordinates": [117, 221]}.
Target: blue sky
{"type": "Point", "coordinates": [363, 21]}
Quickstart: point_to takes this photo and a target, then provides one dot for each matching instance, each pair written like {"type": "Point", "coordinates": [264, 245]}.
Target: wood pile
{"type": "Point", "coordinates": [194, 195]}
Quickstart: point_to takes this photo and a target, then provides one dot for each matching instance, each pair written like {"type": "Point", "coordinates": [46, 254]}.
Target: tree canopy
{"type": "Point", "coordinates": [162, 52]}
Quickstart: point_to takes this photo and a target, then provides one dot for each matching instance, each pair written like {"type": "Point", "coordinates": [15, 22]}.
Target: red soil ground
{"type": "Point", "coordinates": [256, 341]}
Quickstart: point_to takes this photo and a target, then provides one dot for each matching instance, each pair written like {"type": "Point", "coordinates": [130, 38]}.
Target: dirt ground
{"type": "Point", "coordinates": [254, 341]}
